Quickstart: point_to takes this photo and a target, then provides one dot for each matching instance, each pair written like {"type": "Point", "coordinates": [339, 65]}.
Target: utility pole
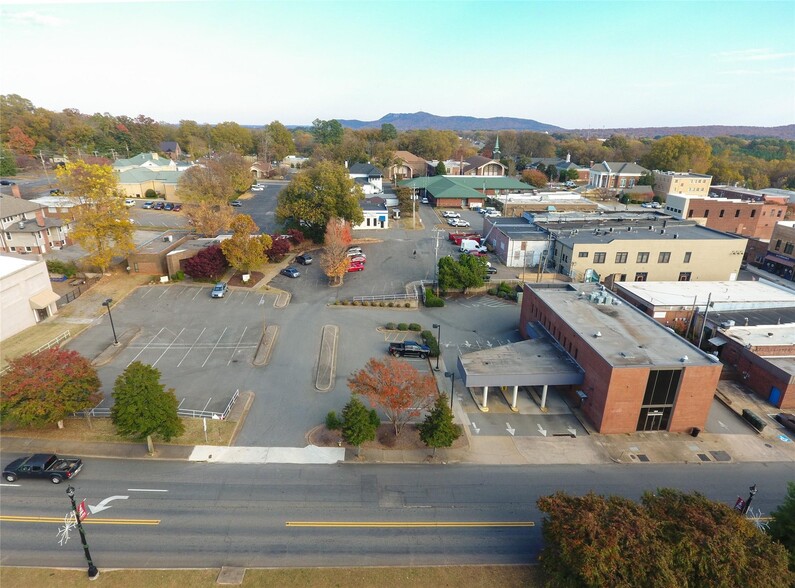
{"type": "Point", "coordinates": [44, 167]}
{"type": "Point", "coordinates": [704, 320]}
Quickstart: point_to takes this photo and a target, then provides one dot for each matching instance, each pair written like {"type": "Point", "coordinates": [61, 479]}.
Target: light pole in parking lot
{"type": "Point", "coordinates": [438, 343]}
{"type": "Point", "coordinates": [451, 375]}
{"type": "Point", "coordinates": [107, 304]}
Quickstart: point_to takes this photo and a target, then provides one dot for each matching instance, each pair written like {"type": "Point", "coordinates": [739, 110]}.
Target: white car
{"type": "Point", "coordinates": [424, 201]}
{"type": "Point", "coordinates": [450, 214]}
{"type": "Point", "coordinates": [493, 213]}
{"type": "Point", "coordinates": [129, 202]}
{"type": "Point", "coordinates": [257, 188]}
{"type": "Point", "coordinates": [461, 222]}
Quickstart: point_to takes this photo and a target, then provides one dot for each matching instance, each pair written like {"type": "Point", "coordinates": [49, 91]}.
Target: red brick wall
{"type": "Point", "coordinates": [760, 226]}
{"type": "Point", "coordinates": [761, 377]}
{"type": "Point", "coordinates": [696, 391]}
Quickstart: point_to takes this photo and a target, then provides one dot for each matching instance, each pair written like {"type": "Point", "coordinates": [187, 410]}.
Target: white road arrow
{"type": "Point", "coordinates": [467, 344]}
{"type": "Point", "coordinates": [572, 431]}
{"type": "Point", "coordinates": [722, 425]}
{"type": "Point", "coordinates": [488, 343]}
{"type": "Point", "coordinates": [474, 426]}
{"type": "Point", "coordinates": [509, 429]}
{"type": "Point", "coordinates": [104, 504]}
{"type": "Point", "coordinates": [542, 431]}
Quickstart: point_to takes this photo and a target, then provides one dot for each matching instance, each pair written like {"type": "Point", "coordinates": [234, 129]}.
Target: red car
{"type": "Point", "coordinates": [177, 207]}
{"type": "Point", "coordinates": [356, 267]}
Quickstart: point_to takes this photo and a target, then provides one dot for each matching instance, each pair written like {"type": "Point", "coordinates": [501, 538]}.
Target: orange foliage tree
{"type": "Point", "coordinates": [396, 387]}
{"type": "Point", "coordinates": [335, 260]}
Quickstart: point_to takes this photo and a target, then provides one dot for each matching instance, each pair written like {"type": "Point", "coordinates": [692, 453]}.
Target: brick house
{"type": "Point", "coordinates": [406, 166]}
{"type": "Point", "coordinates": [614, 175]}
{"type": "Point", "coordinates": [755, 219]}
{"type": "Point", "coordinates": [27, 228]}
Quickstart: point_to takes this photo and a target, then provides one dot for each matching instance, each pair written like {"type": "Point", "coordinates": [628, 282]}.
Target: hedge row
{"type": "Point", "coordinates": [431, 299]}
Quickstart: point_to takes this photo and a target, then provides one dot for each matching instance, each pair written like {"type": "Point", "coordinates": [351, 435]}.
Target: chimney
{"type": "Point", "coordinates": [15, 191]}
{"type": "Point", "coordinates": [568, 157]}
{"type": "Point", "coordinates": [40, 217]}
{"type": "Point", "coordinates": [590, 163]}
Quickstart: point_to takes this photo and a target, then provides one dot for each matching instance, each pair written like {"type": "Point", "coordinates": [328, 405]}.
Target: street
{"type": "Point", "coordinates": [176, 514]}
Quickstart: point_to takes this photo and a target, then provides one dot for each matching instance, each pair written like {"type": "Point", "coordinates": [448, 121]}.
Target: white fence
{"type": "Point", "coordinates": [51, 343]}
{"type": "Point", "coordinates": [100, 412]}
{"type": "Point", "coordinates": [385, 297]}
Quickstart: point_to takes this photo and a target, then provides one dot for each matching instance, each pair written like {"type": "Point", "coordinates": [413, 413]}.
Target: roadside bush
{"type": "Point", "coordinates": [432, 300]}
{"type": "Point", "coordinates": [382, 304]}
{"type": "Point", "coordinates": [355, 303]}
{"type": "Point", "coordinates": [492, 291]}
{"type": "Point", "coordinates": [178, 277]}
{"type": "Point", "coordinates": [415, 327]}
{"type": "Point", "coordinates": [391, 326]}
{"type": "Point", "coordinates": [333, 422]}
{"type": "Point", "coordinates": [403, 327]}
{"type": "Point", "coordinates": [430, 341]}
{"type": "Point", "coordinates": [391, 305]}
{"type": "Point", "coordinates": [345, 303]}
{"type": "Point", "coordinates": [407, 305]}
{"type": "Point", "coordinates": [56, 266]}
{"type": "Point", "coordinates": [150, 193]}
{"type": "Point", "coordinates": [366, 303]}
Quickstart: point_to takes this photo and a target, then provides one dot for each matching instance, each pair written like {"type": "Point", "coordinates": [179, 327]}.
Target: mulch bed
{"type": "Point", "coordinates": [384, 439]}
{"type": "Point", "coordinates": [237, 279]}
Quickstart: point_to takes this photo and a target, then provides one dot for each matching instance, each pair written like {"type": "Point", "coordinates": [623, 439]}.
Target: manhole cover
{"type": "Point", "coordinates": [642, 457]}
{"type": "Point", "coordinates": [720, 455]}
{"type": "Point", "coordinates": [703, 457]}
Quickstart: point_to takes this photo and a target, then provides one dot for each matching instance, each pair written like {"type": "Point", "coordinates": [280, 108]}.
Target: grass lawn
{"type": "Point", "coordinates": [101, 430]}
{"type": "Point", "coordinates": [437, 577]}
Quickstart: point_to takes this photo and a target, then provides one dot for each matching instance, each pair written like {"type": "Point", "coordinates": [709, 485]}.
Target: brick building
{"type": "Point", "coordinates": [27, 227]}
{"type": "Point", "coordinates": [742, 217]}
{"type": "Point", "coordinates": [684, 184]}
{"type": "Point", "coordinates": [780, 256]}
{"type": "Point", "coordinates": [614, 175]}
{"type": "Point", "coordinates": [638, 375]}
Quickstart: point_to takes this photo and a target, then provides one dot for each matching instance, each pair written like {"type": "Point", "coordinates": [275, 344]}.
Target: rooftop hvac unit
{"type": "Point", "coordinates": [168, 238]}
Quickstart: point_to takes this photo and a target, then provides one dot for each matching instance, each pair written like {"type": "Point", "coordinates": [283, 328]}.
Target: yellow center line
{"type": "Point", "coordinates": [408, 524]}
{"type": "Point", "coordinates": [60, 520]}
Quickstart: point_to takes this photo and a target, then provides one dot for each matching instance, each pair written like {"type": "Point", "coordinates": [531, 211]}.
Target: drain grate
{"type": "Point", "coordinates": [642, 457]}
{"type": "Point", "coordinates": [703, 457]}
{"type": "Point", "coordinates": [720, 456]}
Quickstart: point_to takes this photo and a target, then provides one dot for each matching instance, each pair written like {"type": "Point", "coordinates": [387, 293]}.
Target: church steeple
{"type": "Point", "coordinates": [496, 152]}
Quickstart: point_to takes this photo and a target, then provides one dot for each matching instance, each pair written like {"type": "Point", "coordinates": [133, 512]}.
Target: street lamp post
{"type": "Point", "coordinates": [106, 304]}
{"type": "Point", "coordinates": [93, 572]}
{"type": "Point", "coordinates": [752, 493]}
{"type": "Point", "coordinates": [451, 375]}
{"type": "Point", "coordinates": [438, 343]}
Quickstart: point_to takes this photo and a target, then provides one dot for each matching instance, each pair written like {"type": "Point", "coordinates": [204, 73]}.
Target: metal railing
{"type": "Point", "coordinates": [101, 412]}
{"type": "Point", "coordinates": [385, 297]}
{"type": "Point", "coordinates": [51, 343]}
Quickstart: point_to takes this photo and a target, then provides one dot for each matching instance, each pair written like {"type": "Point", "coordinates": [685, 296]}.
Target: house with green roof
{"type": "Point", "coordinates": [150, 161]}
{"type": "Point", "coordinates": [463, 191]}
{"type": "Point", "coordinates": [136, 181]}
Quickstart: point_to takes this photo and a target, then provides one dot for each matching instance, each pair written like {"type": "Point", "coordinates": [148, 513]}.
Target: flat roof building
{"type": "Point", "coordinates": [682, 183]}
{"type": "Point", "coordinates": [749, 218]}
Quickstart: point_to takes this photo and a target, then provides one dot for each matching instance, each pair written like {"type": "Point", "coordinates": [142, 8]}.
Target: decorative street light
{"type": "Point", "coordinates": [93, 572]}
{"type": "Point", "coordinates": [751, 495]}
{"type": "Point", "coordinates": [452, 386]}
{"type": "Point", "coordinates": [438, 343]}
{"type": "Point", "coordinates": [107, 304]}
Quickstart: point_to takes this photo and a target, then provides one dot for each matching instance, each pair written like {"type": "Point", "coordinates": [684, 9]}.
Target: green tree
{"type": "Point", "coordinates": [327, 132]}
{"type": "Point", "coordinates": [388, 132]}
{"type": "Point", "coordinates": [231, 137]}
{"type": "Point", "coordinates": [46, 387]}
{"type": "Point", "coordinates": [646, 179]}
{"type": "Point", "coordinates": [467, 272]}
{"type": "Point", "coordinates": [143, 407]}
{"type": "Point", "coordinates": [571, 175]}
{"type": "Point", "coordinates": [246, 249]}
{"type": "Point", "coordinates": [8, 164]}
{"type": "Point", "coordinates": [357, 424]}
{"type": "Point", "coordinates": [102, 222]}
{"type": "Point", "coordinates": [679, 153]}
{"type": "Point", "coordinates": [281, 141]}
{"type": "Point", "coordinates": [316, 195]}
{"type": "Point", "coordinates": [440, 169]}
{"type": "Point", "coordinates": [438, 428]}
{"type": "Point", "coordinates": [782, 524]}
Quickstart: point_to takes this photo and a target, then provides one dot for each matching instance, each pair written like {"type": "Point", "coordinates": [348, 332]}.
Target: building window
{"type": "Point", "coordinates": [664, 257]}
{"type": "Point", "coordinates": [582, 254]}
{"type": "Point", "coordinates": [641, 276]}
{"type": "Point", "coordinates": [658, 400]}
{"type": "Point", "coordinates": [28, 249]}
{"type": "Point", "coordinates": [684, 276]}
{"type": "Point", "coordinates": [621, 257]}
{"type": "Point", "coordinates": [778, 245]}
{"type": "Point", "coordinates": [788, 248]}
{"type": "Point", "coordinates": [8, 236]}
{"type": "Point", "coordinates": [643, 257]}
{"type": "Point", "coordinates": [623, 183]}
{"type": "Point", "coordinates": [599, 257]}
{"type": "Point", "coordinates": [753, 213]}
{"type": "Point", "coordinates": [706, 213]}
{"type": "Point", "coordinates": [687, 257]}
{"type": "Point", "coordinates": [736, 213]}
{"type": "Point", "coordinates": [778, 215]}
{"type": "Point", "coordinates": [721, 213]}
{"type": "Point", "coordinates": [632, 183]}
{"type": "Point", "coordinates": [689, 214]}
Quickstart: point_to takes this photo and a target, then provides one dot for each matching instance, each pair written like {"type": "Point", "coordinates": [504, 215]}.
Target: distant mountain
{"type": "Point", "coordinates": [707, 131]}
{"type": "Point", "coordinates": [424, 120]}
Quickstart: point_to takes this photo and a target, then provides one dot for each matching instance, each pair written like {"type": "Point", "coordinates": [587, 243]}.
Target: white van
{"type": "Point", "coordinates": [471, 245]}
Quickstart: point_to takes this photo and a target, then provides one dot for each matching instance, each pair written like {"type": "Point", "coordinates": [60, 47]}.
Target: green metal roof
{"type": "Point", "coordinates": [141, 174]}
{"type": "Point", "coordinates": [446, 188]}
{"type": "Point", "coordinates": [473, 182]}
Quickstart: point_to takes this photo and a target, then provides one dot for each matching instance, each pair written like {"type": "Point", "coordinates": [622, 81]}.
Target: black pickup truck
{"type": "Point", "coordinates": [409, 349]}
{"type": "Point", "coordinates": [43, 465]}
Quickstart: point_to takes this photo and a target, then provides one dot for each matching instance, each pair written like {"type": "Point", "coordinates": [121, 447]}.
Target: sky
{"type": "Point", "coordinates": [574, 64]}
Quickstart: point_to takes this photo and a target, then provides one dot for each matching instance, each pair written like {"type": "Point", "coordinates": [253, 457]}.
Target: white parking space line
{"type": "Point", "coordinates": [165, 291]}
{"type": "Point", "coordinates": [227, 296]}
{"type": "Point", "coordinates": [236, 346]}
{"type": "Point", "coordinates": [198, 291]}
{"type": "Point", "coordinates": [147, 292]}
{"type": "Point", "coordinates": [181, 292]}
{"type": "Point", "coordinates": [191, 347]}
{"type": "Point", "coordinates": [147, 345]}
{"type": "Point", "coordinates": [181, 402]}
{"type": "Point", "coordinates": [244, 297]}
{"type": "Point", "coordinates": [261, 300]}
{"type": "Point", "coordinates": [208, 404]}
{"type": "Point", "coordinates": [214, 346]}
{"type": "Point", "coordinates": [167, 348]}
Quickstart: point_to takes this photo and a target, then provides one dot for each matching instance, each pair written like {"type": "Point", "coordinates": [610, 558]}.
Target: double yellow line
{"type": "Point", "coordinates": [408, 524]}
{"type": "Point", "coordinates": [88, 521]}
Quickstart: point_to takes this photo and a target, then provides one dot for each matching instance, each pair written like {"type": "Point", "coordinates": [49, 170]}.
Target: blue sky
{"type": "Point", "coordinates": [572, 64]}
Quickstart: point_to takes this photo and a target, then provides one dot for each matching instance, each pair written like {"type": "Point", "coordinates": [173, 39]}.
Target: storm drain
{"type": "Point", "coordinates": [720, 456]}
{"type": "Point", "coordinates": [703, 457]}
{"type": "Point", "coordinates": [642, 457]}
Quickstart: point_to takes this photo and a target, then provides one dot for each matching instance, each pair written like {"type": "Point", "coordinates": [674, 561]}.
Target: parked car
{"type": "Point", "coordinates": [493, 213]}
{"type": "Point", "coordinates": [487, 209]}
{"type": "Point", "coordinates": [424, 201]}
{"type": "Point", "coordinates": [459, 222]}
{"type": "Point", "coordinates": [168, 206]}
{"type": "Point", "coordinates": [148, 205]}
{"type": "Point", "coordinates": [787, 419]}
{"type": "Point", "coordinates": [219, 290]}
{"type": "Point", "coordinates": [236, 203]}
{"type": "Point", "coordinates": [290, 272]}
{"type": "Point", "coordinates": [59, 192]}
{"type": "Point", "coordinates": [177, 207]}
{"type": "Point", "coordinates": [354, 249]}
{"type": "Point", "coordinates": [491, 270]}
{"type": "Point", "coordinates": [409, 349]}
{"type": "Point", "coordinates": [257, 188]}
{"type": "Point", "coordinates": [159, 205]}
{"type": "Point", "coordinates": [355, 253]}
{"type": "Point", "coordinates": [359, 259]}
{"type": "Point", "coordinates": [43, 465]}
{"type": "Point", "coordinates": [450, 214]}
{"type": "Point", "coordinates": [129, 202]}
{"type": "Point", "coordinates": [6, 183]}
{"type": "Point", "coordinates": [304, 259]}
{"type": "Point", "coordinates": [356, 267]}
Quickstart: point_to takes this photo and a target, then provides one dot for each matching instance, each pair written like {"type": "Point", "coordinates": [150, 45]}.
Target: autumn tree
{"type": "Point", "coordinates": [535, 178]}
{"type": "Point", "coordinates": [245, 249]}
{"type": "Point", "coordinates": [396, 387]}
{"type": "Point", "coordinates": [679, 153]}
{"type": "Point", "coordinates": [438, 428]}
{"type": "Point", "coordinates": [102, 222]}
{"type": "Point", "coordinates": [357, 424]}
{"type": "Point", "coordinates": [782, 524]}
{"type": "Point", "coordinates": [19, 142]}
{"type": "Point", "coordinates": [316, 195]}
{"type": "Point", "coordinates": [143, 407]}
{"type": "Point", "coordinates": [209, 263]}
{"type": "Point", "coordinates": [46, 387]}
{"type": "Point", "coordinates": [335, 260]}
{"type": "Point", "coordinates": [278, 249]}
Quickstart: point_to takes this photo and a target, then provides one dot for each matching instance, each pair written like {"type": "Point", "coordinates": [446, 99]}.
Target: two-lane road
{"type": "Point", "coordinates": [197, 515]}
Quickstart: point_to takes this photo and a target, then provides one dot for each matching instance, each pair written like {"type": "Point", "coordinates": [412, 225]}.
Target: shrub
{"type": "Point", "coordinates": [407, 305]}
{"type": "Point", "coordinates": [431, 300]}
{"type": "Point", "coordinates": [391, 304]}
{"type": "Point", "coordinates": [403, 327]}
{"type": "Point", "coordinates": [332, 421]}
{"type": "Point", "coordinates": [150, 193]}
{"type": "Point", "coordinates": [296, 236]}
{"type": "Point", "coordinates": [345, 303]}
{"type": "Point", "coordinates": [391, 326]}
{"type": "Point", "coordinates": [415, 327]}
{"type": "Point", "coordinates": [178, 277]}
{"type": "Point", "coordinates": [492, 291]}
{"type": "Point", "coordinates": [56, 266]}
{"type": "Point", "coordinates": [355, 303]}
{"type": "Point", "coordinates": [430, 341]}
{"type": "Point", "coordinates": [382, 304]}
{"type": "Point", "coordinates": [375, 420]}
